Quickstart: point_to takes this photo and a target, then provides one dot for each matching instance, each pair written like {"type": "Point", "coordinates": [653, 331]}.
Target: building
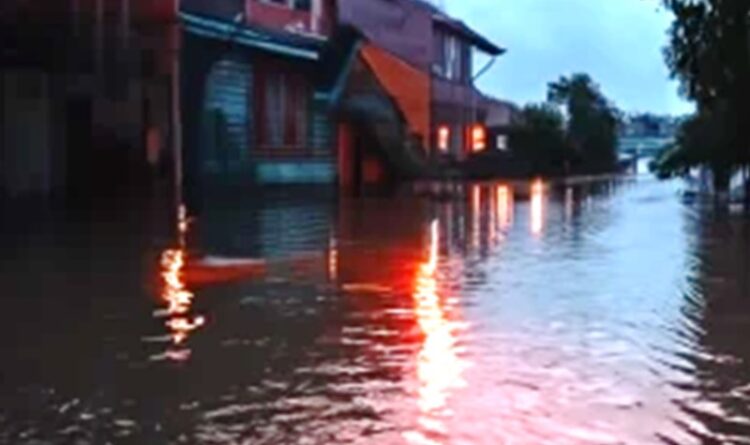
{"type": "Point", "coordinates": [501, 115]}
{"type": "Point", "coordinates": [325, 91]}
{"type": "Point", "coordinates": [346, 92]}
{"type": "Point", "coordinates": [252, 105]}
{"type": "Point", "coordinates": [88, 103]}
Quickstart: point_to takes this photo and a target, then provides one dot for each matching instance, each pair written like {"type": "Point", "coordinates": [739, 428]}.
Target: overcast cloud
{"type": "Point", "coordinates": [618, 42]}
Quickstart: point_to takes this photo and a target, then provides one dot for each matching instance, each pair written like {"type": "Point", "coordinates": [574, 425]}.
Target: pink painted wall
{"type": "Point", "coordinates": [283, 18]}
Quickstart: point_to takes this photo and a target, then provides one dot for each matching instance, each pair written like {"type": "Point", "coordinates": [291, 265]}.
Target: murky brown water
{"type": "Point", "coordinates": [593, 315]}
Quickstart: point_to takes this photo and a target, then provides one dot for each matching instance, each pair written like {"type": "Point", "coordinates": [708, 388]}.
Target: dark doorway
{"type": "Point", "coordinates": [79, 145]}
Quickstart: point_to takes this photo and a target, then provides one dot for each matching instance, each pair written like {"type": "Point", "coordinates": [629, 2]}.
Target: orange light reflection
{"type": "Point", "coordinates": [176, 295]}
{"type": "Point", "coordinates": [476, 215]}
{"type": "Point", "coordinates": [439, 368]}
{"type": "Point", "coordinates": [333, 260]}
{"type": "Point", "coordinates": [504, 206]}
{"type": "Point", "coordinates": [537, 207]}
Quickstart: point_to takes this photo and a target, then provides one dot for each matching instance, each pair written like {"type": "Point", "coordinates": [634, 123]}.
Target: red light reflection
{"type": "Point", "coordinates": [439, 368]}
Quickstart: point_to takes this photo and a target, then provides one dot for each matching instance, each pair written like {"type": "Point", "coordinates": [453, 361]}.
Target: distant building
{"type": "Point", "coordinates": [649, 125]}
{"type": "Point", "coordinates": [500, 117]}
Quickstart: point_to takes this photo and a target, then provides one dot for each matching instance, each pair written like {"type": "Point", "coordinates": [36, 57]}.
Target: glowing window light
{"type": "Point", "coordinates": [444, 137]}
{"type": "Point", "coordinates": [478, 138]}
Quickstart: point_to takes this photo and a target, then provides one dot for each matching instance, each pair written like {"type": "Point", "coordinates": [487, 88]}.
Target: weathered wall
{"type": "Point", "coordinates": [283, 18]}
{"type": "Point", "coordinates": [27, 132]}
{"type": "Point", "coordinates": [446, 92]}
{"type": "Point", "coordinates": [220, 122]}
{"type": "Point", "coordinates": [295, 171]}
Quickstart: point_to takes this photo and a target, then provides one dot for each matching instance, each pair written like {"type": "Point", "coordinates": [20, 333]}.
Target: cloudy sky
{"type": "Point", "coordinates": [618, 42]}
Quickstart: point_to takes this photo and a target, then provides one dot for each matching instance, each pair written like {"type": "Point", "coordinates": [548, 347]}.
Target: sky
{"type": "Point", "coordinates": [618, 42]}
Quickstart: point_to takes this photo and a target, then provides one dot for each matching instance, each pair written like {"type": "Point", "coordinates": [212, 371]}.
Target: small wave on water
{"type": "Point", "coordinates": [608, 313]}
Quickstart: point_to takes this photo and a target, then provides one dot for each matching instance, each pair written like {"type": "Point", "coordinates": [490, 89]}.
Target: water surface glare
{"type": "Point", "coordinates": [611, 313]}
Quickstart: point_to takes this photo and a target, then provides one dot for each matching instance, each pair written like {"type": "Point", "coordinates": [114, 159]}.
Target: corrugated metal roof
{"type": "Point", "coordinates": [281, 43]}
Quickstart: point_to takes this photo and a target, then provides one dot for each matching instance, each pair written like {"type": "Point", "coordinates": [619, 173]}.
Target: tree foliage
{"type": "Point", "coordinates": [701, 141]}
{"type": "Point", "coordinates": [538, 138]}
{"type": "Point", "coordinates": [583, 140]}
{"type": "Point", "coordinates": [709, 53]}
{"type": "Point", "coordinates": [593, 121]}
{"type": "Point", "coordinates": [709, 49]}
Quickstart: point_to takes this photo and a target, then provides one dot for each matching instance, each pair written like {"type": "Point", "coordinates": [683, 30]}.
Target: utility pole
{"type": "Point", "coordinates": [125, 23]}
{"type": "Point", "coordinates": [99, 36]}
{"type": "Point", "coordinates": [175, 49]}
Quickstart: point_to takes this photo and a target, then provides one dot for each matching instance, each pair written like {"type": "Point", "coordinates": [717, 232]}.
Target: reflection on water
{"type": "Point", "coordinates": [475, 212]}
{"type": "Point", "coordinates": [504, 206]}
{"type": "Point", "coordinates": [176, 295]}
{"type": "Point", "coordinates": [439, 367]}
{"type": "Point", "coordinates": [513, 313]}
{"type": "Point", "coordinates": [537, 207]}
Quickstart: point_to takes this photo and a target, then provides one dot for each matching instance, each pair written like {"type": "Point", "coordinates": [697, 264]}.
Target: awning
{"type": "Point", "coordinates": [408, 86]}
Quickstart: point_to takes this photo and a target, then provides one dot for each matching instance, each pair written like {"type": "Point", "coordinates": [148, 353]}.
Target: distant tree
{"type": "Point", "coordinates": [593, 122]}
{"type": "Point", "coordinates": [709, 52]}
{"type": "Point", "coordinates": [538, 139]}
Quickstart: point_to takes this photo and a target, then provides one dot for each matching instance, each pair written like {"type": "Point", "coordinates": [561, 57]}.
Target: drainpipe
{"type": "Point", "coordinates": [176, 91]}
{"type": "Point", "coordinates": [484, 69]}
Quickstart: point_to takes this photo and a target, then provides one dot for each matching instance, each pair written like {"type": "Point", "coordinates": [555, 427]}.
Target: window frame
{"type": "Point", "coordinates": [452, 57]}
{"type": "Point", "coordinates": [286, 127]}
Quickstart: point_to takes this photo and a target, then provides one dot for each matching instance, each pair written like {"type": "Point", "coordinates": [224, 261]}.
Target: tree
{"type": "Point", "coordinates": [701, 141]}
{"type": "Point", "coordinates": [538, 139]}
{"type": "Point", "coordinates": [593, 122]}
{"type": "Point", "coordinates": [709, 52]}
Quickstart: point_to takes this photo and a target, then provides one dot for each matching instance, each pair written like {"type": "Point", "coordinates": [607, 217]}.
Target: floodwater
{"type": "Point", "coordinates": [611, 313]}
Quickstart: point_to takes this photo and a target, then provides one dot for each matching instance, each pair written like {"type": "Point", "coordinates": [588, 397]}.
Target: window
{"type": "Point", "coordinates": [502, 142]}
{"type": "Point", "coordinates": [452, 58]}
{"type": "Point", "coordinates": [478, 138]}
{"type": "Point", "coordinates": [300, 5]}
{"type": "Point", "coordinates": [281, 109]}
{"type": "Point", "coordinates": [444, 138]}
{"type": "Point", "coordinates": [303, 5]}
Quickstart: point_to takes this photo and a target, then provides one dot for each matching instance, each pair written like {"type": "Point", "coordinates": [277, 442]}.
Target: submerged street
{"type": "Point", "coordinates": [607, 313]}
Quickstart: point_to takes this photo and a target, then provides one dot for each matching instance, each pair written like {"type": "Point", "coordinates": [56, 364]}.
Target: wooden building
{"type": "Point", "coordinates": [252, 107]}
